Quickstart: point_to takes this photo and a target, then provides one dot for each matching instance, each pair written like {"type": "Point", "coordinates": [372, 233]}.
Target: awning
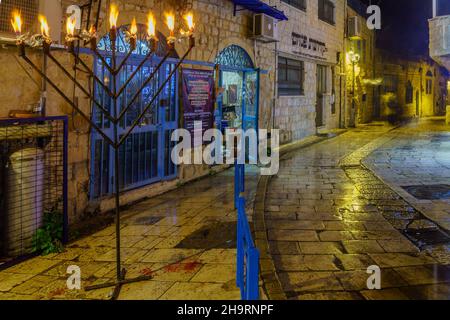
{"type": "Point", "coordinates": [258, 6]}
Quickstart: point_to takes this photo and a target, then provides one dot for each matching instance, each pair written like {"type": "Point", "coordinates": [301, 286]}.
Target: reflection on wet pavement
{"type": "Point", "coordinates": [329, 219]}
{"type": "Point", "coordinates": [184, 239]}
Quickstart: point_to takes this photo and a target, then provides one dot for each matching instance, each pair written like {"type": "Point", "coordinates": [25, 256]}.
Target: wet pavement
{"type": "Point", "coordinates": [185, 239]}
{"type": "Point", "coordinates": [329, 218]}
{"type": "Point", "coordinates": [335, 208]}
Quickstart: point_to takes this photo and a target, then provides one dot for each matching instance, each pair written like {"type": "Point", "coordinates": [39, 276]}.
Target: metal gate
{"type": "Point", "coordinates": [33, 181]}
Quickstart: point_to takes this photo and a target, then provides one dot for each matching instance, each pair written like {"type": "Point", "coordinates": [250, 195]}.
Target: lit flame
{"type": "Point", "coordinates": [170, 21]}
{"type": "Point", "coordinates": [113, 16]}
{"type": "Point", "coordinates": [92, 30]}
{"type": "Point", "coordinates": [70, 25]}
{"type": "Point", "coordinates": [16, 22]}
{"type": "Point", "coordinates": [45, 30]}
{"type": "Point", "coordinates": [133, 28]}
{"type": "Point", "coordinates": [190, 21]}
{"type": "Point", "coordinates": [151, 29]}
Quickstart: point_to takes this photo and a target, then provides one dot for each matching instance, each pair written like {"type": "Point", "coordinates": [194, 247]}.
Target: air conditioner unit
{"type": "Point", "coordinates": [354, 28]}
{"type": "Point", "coordinates": [264, 28]}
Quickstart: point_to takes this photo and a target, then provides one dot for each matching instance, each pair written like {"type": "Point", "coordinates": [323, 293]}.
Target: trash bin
{"type": "Point", "coordinates": [25, 196]}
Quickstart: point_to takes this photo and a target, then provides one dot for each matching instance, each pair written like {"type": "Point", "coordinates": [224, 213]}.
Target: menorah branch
{"type": "Point", "coordinates": [67, 99]}
{"type": "Point", "coordinates": [161, 88]}
{"type": "Point", "coordinates": [75, 81]}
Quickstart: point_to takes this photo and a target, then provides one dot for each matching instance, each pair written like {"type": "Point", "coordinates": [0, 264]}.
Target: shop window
{"type": "Point", "coordinates": [28, 10]}
{"type": "Point", "coordinates": [409, 93]}
{"type": "Point", "coordinates": [290, 77]}
{"type": "Point", "coordinates": [322, 79]}
{"type": "Point", "coordinates": [299, 4]}
{"type": "Point", "coordinates": [326, 11]}
{"type": "Point", "coordinates": [390, 83]}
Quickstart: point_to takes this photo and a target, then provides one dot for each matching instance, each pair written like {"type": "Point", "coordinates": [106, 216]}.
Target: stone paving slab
{"type": "Point", "coordinates": [151, 233]}
{"type": "Point", "coordinates": [328, 219]}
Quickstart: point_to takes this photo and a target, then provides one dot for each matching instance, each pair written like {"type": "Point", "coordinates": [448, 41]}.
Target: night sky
{"type": "Point", "coordinates": [404, 26]}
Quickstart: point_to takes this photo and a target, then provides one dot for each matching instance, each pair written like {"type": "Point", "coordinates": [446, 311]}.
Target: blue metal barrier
{"type": "Point", "coordinates": [239, 182]}
{"type": "Point", "coordinates": [247, 271]}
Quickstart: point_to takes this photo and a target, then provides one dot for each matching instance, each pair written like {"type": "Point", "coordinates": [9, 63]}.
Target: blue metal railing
{"type": "Point", "coordinates": [247, 270]}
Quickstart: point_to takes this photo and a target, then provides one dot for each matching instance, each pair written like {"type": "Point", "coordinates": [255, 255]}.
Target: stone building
{"type": "Point", "coordinates": [223, 36]}
{"type": "Point", "coordinates": [411, 87]}
{"type": "Point", "coordinates": [309, 94]}
{"type": "Point", "coordinates": [296, 82]}
{"type": "Point", "coordinates": [440, 38]}
{"type": "Point", "coordinates": [359, 60]}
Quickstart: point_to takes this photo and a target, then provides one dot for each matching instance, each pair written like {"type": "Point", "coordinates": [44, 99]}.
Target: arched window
{"type": "Point", "coordinates": [234, 56]}
{"type": "Point", "coordinates": [409, 93]}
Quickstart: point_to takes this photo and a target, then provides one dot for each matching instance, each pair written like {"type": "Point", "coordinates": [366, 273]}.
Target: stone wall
{"type": "Point", "coordinates": [363, 99]}
{"type": "Point", "coordinates": [295, 116]}
{"type": "Point", "coordinates": [414, 71]}
{"type": "Point", "coordinates": [216, 28]}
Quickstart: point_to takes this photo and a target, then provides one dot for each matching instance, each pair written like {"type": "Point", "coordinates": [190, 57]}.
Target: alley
{"type": "Point", "coordinates": [330, 217]}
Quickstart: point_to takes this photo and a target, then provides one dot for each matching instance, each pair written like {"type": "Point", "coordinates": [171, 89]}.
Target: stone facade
{"type": "Point", "coordinates": [360, 72]}
{"type": "Point", "coordinates": [295, 116]}
{"type": "Point", "coordinates": [423, 78]}
{"type": "Point", "coordinates": [216, 28]}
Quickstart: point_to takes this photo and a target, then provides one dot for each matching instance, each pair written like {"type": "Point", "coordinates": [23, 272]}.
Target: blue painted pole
{"type": "Point", "coordinates": [252, 274]}
{"type": "Point", "coordinates": [240, 248]}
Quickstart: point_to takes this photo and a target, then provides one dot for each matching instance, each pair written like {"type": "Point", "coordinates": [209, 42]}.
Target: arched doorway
{"type": "Point", "coordinates": [145, 156]}
{"type": "Point", "coordinates": [238, 105]}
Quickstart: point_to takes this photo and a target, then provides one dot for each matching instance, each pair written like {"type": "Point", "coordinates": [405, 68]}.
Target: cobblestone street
{"type": "Point", "coordinates": [329, 218]}
{"type": "Point", "coordinates": [185, 239]}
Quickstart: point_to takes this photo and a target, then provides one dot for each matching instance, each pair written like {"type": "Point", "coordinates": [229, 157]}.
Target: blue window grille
{"type": "Point", "coordinates": [145, 156]}
{"type": "Point", "coordinates": [234, 56]}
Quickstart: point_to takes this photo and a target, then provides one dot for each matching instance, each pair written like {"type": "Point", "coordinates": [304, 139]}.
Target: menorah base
{"type": "Point", "coordinates": [118, 284]}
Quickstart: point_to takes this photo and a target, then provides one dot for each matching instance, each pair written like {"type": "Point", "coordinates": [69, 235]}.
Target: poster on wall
{"type": "Point", "coordinates": [198, 86]}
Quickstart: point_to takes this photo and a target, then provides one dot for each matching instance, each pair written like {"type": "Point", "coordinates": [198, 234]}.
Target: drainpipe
{"type": "Point", "coordinates": [434, 8]}
{"type": "Point", "coordinates": [275, 88]}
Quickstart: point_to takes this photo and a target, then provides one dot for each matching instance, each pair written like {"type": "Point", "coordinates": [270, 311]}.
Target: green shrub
{"type": "Point", "coordinates": [47, 239]}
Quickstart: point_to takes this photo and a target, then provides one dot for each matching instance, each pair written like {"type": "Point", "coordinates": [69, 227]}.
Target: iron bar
{"type": "Point", "coordinates": [146, 82]}
{"type": "Point", "coordinates": [75, 81]}
{"type": "Point", "coordinates": [138, 68]}
{"type": "Point", "coordinates": [150, 104]}
{"type": "Point", "coordinates": [70, 102]}
{"type": "Point", "coordinates": [92, 74]}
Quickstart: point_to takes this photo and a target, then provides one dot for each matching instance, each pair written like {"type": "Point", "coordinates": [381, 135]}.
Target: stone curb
{"type": "Point", "coordinates": [270, 282]}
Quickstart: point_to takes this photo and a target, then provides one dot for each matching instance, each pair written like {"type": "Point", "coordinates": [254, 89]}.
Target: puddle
{"type": "Point", "coordinates": [429, 192]}
{"type": "Point", "coordinates": [146, 221]}
{"type": "Point", "coordinates": [220, 235]}
{"type": "Point", "coordinates": [426, 237]}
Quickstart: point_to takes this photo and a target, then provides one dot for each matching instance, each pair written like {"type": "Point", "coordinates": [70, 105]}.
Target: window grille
{"type": "Point", "coordinates": [27, 8]}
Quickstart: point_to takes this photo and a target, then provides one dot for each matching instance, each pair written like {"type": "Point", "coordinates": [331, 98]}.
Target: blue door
{"type": "Point", "coordinates": [144, 158]}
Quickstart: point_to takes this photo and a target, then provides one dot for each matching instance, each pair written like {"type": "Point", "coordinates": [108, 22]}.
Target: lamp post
{"type": "Point", "coordinates": [43, 40]}
{"type": "Point", "coordinates": [354, 60]}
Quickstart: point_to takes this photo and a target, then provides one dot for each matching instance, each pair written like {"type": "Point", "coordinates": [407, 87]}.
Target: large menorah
{"type": "Point", "coordinates": [73, 41]}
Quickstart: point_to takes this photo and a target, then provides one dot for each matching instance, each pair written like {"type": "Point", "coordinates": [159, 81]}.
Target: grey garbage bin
{"type": "Point", "coordinates": [25, 196]}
